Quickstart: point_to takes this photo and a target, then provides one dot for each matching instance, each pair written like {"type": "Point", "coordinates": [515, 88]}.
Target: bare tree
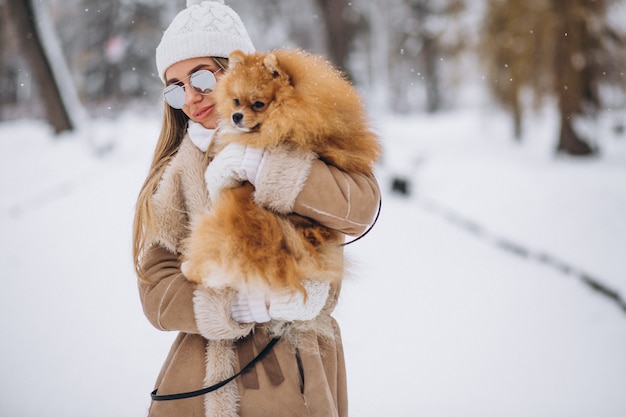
{"type": "Point", "coordinates": [517, 46]}
{"type": "Point", "coordinates": [9, 66]}
{"type": "Point", "coordinates": [581, 57]}
{"type": "Point", "coordinates": [339, 31]}
{"type": "Point", "coordinates": [433, 47]}
{"type": "Point", "coordinates": [424, 35]}
{"type": "Point", "coordinates": [20, 15]}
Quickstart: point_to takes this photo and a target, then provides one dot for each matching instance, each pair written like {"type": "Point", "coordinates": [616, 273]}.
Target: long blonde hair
{"type": "Point", "coordinates": [173, 131]}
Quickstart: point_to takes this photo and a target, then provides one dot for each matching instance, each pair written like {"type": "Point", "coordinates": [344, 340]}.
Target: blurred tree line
{"type": "Point", "coordinates": [405, 56]}
{"type": "Point", "coordinates": [569, 51]}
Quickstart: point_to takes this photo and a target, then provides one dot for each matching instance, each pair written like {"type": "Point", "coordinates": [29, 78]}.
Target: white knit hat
{"type": "Point", "coordinates": [204, 28]}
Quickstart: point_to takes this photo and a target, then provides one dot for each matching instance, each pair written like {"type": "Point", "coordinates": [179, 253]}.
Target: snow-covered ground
{"type": "Point", "coordinates": [437, 318]}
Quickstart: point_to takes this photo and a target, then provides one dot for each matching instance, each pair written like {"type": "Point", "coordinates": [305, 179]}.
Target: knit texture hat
{"type": "Point", "coordinates": [204, 28]}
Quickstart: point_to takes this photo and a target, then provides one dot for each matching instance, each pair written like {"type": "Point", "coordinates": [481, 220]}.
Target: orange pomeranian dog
{"type": "Point", "coordinates": [279, 99]}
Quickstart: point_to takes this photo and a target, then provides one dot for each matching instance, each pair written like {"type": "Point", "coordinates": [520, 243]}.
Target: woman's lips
{"type": "Point", "coordinates": [203, 112]}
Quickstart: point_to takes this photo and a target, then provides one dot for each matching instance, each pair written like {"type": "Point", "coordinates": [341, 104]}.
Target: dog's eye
{"type": "Point", "coordinates": [236, 101]}
{"type": "Point", "coordinates": [258, 105]}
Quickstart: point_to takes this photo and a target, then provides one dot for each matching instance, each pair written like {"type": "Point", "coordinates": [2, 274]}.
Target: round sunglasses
{"type": "Point", "coordinates": [202, 81]}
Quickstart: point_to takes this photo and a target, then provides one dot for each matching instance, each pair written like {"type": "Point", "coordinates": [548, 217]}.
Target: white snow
{"type": "Point", "coordinates": [436, 320]}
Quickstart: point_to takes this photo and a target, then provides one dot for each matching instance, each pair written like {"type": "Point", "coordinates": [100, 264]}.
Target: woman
{"type": "Point", "coordinates": [220, 332]}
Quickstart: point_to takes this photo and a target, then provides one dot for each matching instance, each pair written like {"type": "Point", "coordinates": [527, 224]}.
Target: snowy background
{"type": "Point", "coordinates": [466, 299]}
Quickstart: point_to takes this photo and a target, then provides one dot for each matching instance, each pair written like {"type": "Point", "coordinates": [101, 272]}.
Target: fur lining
{"type": "Point", "coordinates": [167, 204]}
{"type": "Point", "coordinates": [220, 365]}
{"type": "Point", "coordinates": [180, 199]}
{"type": "Point", "coordinates": [272, 191]}
{"type": "Point", "coordinates": [181, 196]}
{"type": "Point", "coordinates": [212, 310]}
{"type": "Point", "coordinates": [294, 331]}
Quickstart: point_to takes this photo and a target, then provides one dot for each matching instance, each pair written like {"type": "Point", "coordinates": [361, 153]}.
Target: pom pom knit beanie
{"type": "Point", "coordinates": [204, 28]}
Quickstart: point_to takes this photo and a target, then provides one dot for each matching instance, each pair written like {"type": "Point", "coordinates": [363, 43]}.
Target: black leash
{"type": "Point", "coordinates": [260, 356]}
{"type": "Point", "coordinates": [190, 394]}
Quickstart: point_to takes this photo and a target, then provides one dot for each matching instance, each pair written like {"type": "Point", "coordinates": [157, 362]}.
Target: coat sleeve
{"type": "Point", "coordinates": [166, 295]}
{"type": "Point", "coordinates": [171, 302]}
{"type": "Point", "coordinates": [343, 201]}
{"type": "Point", "coordinates": [296, 181]}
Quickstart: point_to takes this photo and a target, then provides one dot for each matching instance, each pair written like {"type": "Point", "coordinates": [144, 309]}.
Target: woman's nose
{"type": "Point", "coordinates": [191, 95]}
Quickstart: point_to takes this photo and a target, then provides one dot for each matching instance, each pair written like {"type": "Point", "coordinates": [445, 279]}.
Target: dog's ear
{"type": "Point", "coordinates": [235, 58]}
{"type": "Point", "coordinates": [271, 63]}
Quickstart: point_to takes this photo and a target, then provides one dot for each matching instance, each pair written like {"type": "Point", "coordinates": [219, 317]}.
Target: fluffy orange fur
{"type": "Point", "coordinates": [282, 98]}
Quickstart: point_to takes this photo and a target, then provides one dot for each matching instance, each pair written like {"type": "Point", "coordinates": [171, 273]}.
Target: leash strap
{"type": "Point", "coordinates": [260, 356]}
{"type": "Point", "coordinates": [190, 394]}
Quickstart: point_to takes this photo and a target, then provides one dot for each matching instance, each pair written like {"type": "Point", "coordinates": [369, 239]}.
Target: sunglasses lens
{"type": "Point", "coordinates": [174, 95]}
{"type": "Point", "coordinates": [203, 81]}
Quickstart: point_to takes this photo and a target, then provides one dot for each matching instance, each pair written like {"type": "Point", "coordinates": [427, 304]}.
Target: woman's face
{"type": "Point", "coordinates": [198, 107]}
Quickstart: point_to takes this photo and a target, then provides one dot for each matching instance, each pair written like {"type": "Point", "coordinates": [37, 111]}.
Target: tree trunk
{"type": "Point", "coordinates": [430, 55]}
{"type": "Point", "coordinates": [338, 32]}
{"type": "Point", "coordinates": [570, 79]}
{"type": "Point", "coordinates": [517, 117]}
{"type": "Point", "coordinates": [22, 17]}
{"type": "Point", "coordinates": [569, 142]}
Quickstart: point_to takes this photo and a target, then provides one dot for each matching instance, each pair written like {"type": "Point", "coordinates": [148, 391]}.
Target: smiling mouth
{"type": "Point", "coordinates": [202, 112]}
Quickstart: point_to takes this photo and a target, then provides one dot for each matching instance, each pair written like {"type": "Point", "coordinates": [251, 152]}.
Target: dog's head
{"type": "Point", "coordinates": [250, 90]}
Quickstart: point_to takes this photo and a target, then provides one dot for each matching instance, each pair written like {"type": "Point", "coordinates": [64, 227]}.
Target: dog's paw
{"type": "Point", "coordinates": [215, 280]}
{"type": "Point", "coordinates": [188, 271]}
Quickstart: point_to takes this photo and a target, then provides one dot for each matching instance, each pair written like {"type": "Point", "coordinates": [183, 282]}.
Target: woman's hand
{"type": "Point", "coordinates": [233, 165]}
{"type": "Point", "coordinates": [249, 308]}
{"type": "Point", "coordinates": [281, 305]}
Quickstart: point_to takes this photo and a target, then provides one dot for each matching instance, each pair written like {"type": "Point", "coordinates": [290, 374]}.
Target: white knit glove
{"type": "Point", "coordinates": [233, 165]}
{"type": "Point", "coordinates": [283, 305]}
{"type": "Point", "coordinates": [253, 161]}
{"type": "Point", "coordinates": [290, 306]}
{"type": "Point", "coordinates": [249, 308]}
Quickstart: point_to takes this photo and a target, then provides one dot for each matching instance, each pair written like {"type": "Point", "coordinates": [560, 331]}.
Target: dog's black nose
{"type": "Point", "coordinates": [237, 117]}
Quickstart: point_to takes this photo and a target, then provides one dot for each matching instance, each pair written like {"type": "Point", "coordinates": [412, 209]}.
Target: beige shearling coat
{"type": "Point", "coordinates": [304, 375]}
